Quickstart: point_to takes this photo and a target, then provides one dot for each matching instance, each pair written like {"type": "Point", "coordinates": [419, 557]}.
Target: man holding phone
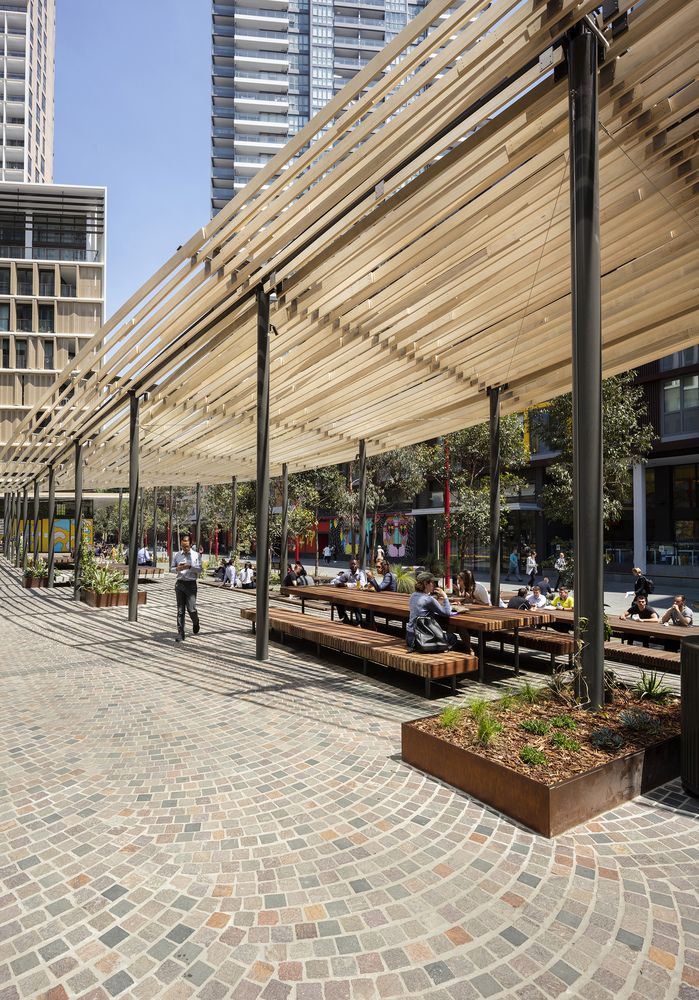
{"type": "Point", "coordinates": [187, 564]}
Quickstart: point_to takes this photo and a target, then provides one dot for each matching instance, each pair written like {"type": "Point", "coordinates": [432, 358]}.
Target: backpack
{"type": "Point", "coordinates": [650, 586]}
{"type": "Point", "coordinates": [430, 637]}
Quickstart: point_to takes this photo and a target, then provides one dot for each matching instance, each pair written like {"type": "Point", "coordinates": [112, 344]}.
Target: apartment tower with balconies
{"type": "Point", "coordinates": [275, 64]}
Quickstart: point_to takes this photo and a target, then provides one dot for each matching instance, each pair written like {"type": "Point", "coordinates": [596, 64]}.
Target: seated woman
{"type": "Point", "coordinates": [290, 578]}
{"type": "Point", "coordinates": [230, 576]}
{"type": "Point", "coordinates": [247, 580]}
{"type": "Point", "coordinates": [388, 581]}
{"type": "Point", "coordinates": [302, 578]}
{"type": "Point", "coordinates": [427, 601]}
{"type": "Point", "coordinates": [467, 589]}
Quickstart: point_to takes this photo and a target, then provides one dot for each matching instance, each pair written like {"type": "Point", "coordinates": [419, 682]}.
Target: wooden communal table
{"type": "Point", "coordinates": [143, 571]}
{"type": "Point", "coordinates": [646, 632]}
{"type": "Point", "coordinates": [480, 619]}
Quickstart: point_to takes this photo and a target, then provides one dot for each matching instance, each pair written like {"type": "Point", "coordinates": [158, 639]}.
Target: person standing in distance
{"type": "Point", "coordinates": [187, 564]}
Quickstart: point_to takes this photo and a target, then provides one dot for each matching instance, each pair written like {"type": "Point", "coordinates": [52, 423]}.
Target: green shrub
{"type": "Point", "coordinates": [537, 727]}
{"type": "Point", "coordinates": [36, 571]}
{"type": "Point", "coordinates": [639, 721]}
{"type": "Point", "coordinates": [478, 708]}
{"type": "Point", "coordinates": [488, 729]}
{"type": "Point", "coordinates": [505, 702]}
{"type": "Point", "coordinates": [564, 742]}
{"type": "Point", "coordinates": [532, 756]}
{"type": "Point", "coordinates": [405, 580]}
{"type": "Point", "coordinates": [450, 717]}
{"type": "Point", "coordinates": [651, 687]}
{"type": "Point", "coordinates": [605, 738]}
{"type": "Point", "coordinates": [564, 722]}
{"type": "Point", "coordinates": [529, 694]}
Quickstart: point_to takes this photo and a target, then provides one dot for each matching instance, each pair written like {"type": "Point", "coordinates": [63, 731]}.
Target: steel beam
{"type": "Point", "coordinates": [495, 539]}
{"type": "Point", "coordinates": [52, 525]}
{"type": "Point", "coordinates": [134, 489]}
{"type": "Point", "coordinates": [587, 357]}
{"type": "Point", "coordinates": [262, 492]}
{"type": "Point", "coordinates": [155, 525]}
{"type": "Point", "coordinates": [35, 512]}
{"type": "Point", "coordinates": [362, 503]}
{"type": "Point", "coordinates": [284, 541]}
{"type": "Point", "coordinates": [78, 553]}
{"type": "Point", "coordinates": [17, 529]}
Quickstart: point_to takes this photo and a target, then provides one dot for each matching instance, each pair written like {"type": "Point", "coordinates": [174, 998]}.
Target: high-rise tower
{"type": "Point", "coordinates": [275, 63]}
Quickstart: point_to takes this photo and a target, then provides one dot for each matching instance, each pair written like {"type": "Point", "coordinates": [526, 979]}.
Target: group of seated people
{"type": "Point", "coordinates": [231, 577]}
{"type": "Point", "coordinates": [296, 576]}
{"type": "Point", "coordinates": [679, 614]}
{"type": "Point", "coordinates": [541, 596]}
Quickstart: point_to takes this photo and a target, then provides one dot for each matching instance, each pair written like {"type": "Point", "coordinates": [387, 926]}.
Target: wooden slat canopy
{"type": "Point", "coordinates": [416, 234]}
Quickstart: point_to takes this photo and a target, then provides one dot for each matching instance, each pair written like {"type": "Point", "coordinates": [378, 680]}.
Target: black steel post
{"type": "Point", "coordinates": [495, 539]}
{"type": "Point", "coordinates": [262, 493]}
{"type": "Point", "coordinates": [52, 525]}
{"type": "Point", "coordinates": [197, 518]}
{"type": "Point", "coordinates": [35, 512]}
{"type": "Point", "coordinates": [5, 522]}
{"type": "Point", "coordinates": [121, 497]}
{"type": "Point", "coordinates": [134, 490]}
{"type": "Point", "coordinates": [284, 541]}
{"type": "Point", "coordinates": [169, 530]}
{"type": "Point", "coordinates": [587, 358]}
{"type": "Point", "coordinates": [362, 503]}
{"type": "Point", "coordinates": [9, 525]}
{"type": "Point", "coordinates": [15, 529]}
{"type": "Point", "coordinates": [234, 517]}
{"type": "Point", "coordinates": [78, 553]}
{"type": "Point", "coordinates": [25, 528]}
{"type": "Point", "coordinates": [18, 527]}
{"type": "Point", "coordinates": [155, 525]}
{"type": "Point", "coordinates": [141, 517]}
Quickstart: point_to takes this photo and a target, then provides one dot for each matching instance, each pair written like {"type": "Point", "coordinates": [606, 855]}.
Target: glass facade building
{"type": "Point", "coordinates": [275, 64]}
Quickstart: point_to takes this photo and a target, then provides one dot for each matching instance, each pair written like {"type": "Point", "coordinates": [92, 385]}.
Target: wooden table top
{"type": "Point", "coordinates": [626, 628]}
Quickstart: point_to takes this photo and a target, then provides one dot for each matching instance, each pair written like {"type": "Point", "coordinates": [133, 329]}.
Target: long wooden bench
{"type": "Point", "coordinates": [642, 656]}
{"type": "Point", "coordinates": [144, 572]}
{"type": "Point", "coordinates": [544, 640]}
{"type": "Point", "coordinates": [368, 646]}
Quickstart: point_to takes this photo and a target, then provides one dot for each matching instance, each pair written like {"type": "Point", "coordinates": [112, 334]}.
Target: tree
{"type": "Point", "coordinates": [627, 439]}
{"type": "Point", "coordinates": [313, 491]}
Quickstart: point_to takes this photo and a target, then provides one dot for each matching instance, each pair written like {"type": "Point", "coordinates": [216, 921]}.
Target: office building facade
{"type": "Point", "coordinates": [275, 64]}
{"type": "Point", "coordinates": [28, 38]}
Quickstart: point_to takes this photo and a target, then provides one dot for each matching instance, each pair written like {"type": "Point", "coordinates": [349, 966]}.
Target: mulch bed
{"type": "Point", "coordinates": [561, 764]}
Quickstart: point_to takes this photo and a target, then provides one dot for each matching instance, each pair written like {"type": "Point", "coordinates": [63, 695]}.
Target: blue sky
{"type": "Point", "coordinates": [132, 113]}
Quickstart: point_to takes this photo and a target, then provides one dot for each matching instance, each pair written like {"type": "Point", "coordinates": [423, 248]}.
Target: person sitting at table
{"type": "Point", "coordinates": [220, 571]}
{"type": "Point", "coordinates": [351, 577]}
{"type": "Point", "coordinates": [466, 588]}
{"type": "Point", "coordinates": [563, 600]}
{"type": "Point", "coordinates": [388, 581]}
{"type": "Point", "coordinates": [290, 578]}
{"type": "Point", "coordinates": [546, 589]}
{"type": "Point", "coordinates": [301, 575]}
{"type": "Point", "coordinates": [230, 574]}
{"type": "Point", "coordinates": [247, 578]}
{"type": "Point", "coordinates": [427, 601]}
{"type": "Point", "coordinates": [679, 614]}
{"type": "Point", "coordinates": [519, 601]}
{"type": "Point", "coordinates": [143, 556]}
{"type": "Point", "coordinates": [640, 611]}
{"type": "Point", "coordinates": [536, 599]}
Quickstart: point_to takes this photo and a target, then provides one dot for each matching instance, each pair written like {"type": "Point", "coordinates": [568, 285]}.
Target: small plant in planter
{"type": "Point", "coordinates": [530, 755]}
{"type": "Point", "coordinates": [478, 708]}
{"type": "Point", "coordinates": [488, 729]}
{"type": "Point", "coordinates": [651, 687]}
{"type": "Point", "coordinates": [36, 574]}
{"type": "Point", "coordinates": [564, 722]}
{"type": "Point", "coordinates": [450, 717]}
{"type": "Point", "coordinates": [565, 742]}
{"type": "Point", "coordinates": [529, 694]}
{"type": "Point", "coordinates": [606, 738]}
{"type": "Point", "coordinates": [537, 727]}
{"type": "Point", "coordinates": [103, 586]}
{"type": "Point", "coordinates": [506, 702]}
{"type": "Point", "coordinates": [639, 721]}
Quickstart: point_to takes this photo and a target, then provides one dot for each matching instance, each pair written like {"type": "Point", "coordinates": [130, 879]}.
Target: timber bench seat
{"type": "Point", "coordinates": [543, 640]}
{"type": "Point", "coordinates": [643, 656]}
{"type": "Point", "coordinates": [368, 646]}
{"type": "Point", "coordinates": [143, 571]}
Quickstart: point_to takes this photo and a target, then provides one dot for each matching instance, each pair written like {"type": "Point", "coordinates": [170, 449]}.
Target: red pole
{"type": "Point", "coordinates": [298, 550]}
{"type": "Point", "coordinates": [447, 518]}
{"type": "Point", "coordinates": [168, 539]}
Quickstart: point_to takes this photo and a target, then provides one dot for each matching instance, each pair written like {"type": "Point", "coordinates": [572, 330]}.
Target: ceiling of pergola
{"type": "Point", "coordinates": [419, 248]}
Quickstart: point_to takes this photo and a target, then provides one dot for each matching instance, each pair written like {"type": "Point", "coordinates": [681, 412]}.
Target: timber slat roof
{"type": "Point", "coordinates": [419, 249]}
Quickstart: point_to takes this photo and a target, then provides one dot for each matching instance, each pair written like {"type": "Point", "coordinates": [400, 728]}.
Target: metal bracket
{"type": "Point", "coordinates": [610, 12]}
{"type": "Point", "coordinates": [546, 60]}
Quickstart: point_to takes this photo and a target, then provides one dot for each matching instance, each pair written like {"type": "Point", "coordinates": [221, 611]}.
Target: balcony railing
{"type": "Point", "coordinates": [24, 326]}
{"type": "Point", "coordinates": [25, 288]}
{"type": "Point", "coordinates": [64, 253]}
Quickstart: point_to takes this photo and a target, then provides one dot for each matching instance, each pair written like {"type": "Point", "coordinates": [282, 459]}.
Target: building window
{"type": "Point", "coordinates": [680, 359]}
{"type": "Point", "coordinates": [25, 281]}
{"type": "Point", "coordinates": [24, 317]}
{"type": "Point", "coordinates": [680, 405]}
{"type": "Point", "coordinates": [4, 281]}
{"type": "Point", "coordinates": [47, 283]}
{"type": "Point", "coordinates": [46, 323]}
{"type": "Point", "coordinates": [4, 316]}
{"type": "Point", "coordinates": [5, 352]}
{"type": "Point", "coordinates": [684, 487]}
{"type": "Point", "coordinates": [48, 355]}
{"type": "Point", "coordinates": [20, 354]}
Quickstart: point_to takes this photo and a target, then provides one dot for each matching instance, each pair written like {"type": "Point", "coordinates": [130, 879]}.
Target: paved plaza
{"type": "Point", "coordinates": [185, 822]}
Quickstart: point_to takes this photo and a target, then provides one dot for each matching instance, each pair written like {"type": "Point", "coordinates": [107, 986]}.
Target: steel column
{"type": "Point", "coordinates": [141, 517]}
{"type": "Point", "coordinates": [362, 503]}
{"type": "Point", "coordinates": [52, 525]}
{"type": "Point", "coordinates": [262, 493]}
{"type": "Point", "coordinates": [447, 516]}
{"type": "Point", "coordinates": [78, 553]}
{"type": "Point", "coordinates": [25, 528]}
{"type": "Point", "coordinates": [5, 522]}
{"type": "Point", "coordinates": [197, 518]}
{"type": "Point", "coordinates": [234, 517]}
{"type": "Point", "coordinates": [9, 525]}
{"type": "Point", "coordinates": [35, 548]}
{"type": "Point", "coordinates": [134, 489]}
{"type": "Point", "coordinates": [155, 525]}
{"type": "Point", "coordinates": [284, 541]}
{"type": "Point", "coordinates": [17, 527]}
{"type": "Point", "coordinates": [587, 357]}
{"type": "Point", "coordinates": [495, 539]}
{"type": "Point", "coordinates": [169, 530]}
{"type": "Point", "coordinates": [121, 497]}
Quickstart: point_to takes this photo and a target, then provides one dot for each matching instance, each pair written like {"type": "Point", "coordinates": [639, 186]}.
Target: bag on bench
{"type": "Point", "coordinates": [430, 637]}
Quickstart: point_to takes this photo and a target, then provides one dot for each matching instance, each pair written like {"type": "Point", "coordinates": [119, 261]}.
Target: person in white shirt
{"type": "Point", "coordinates": [230, 576]}
{"type": "Point", "coordinates": [327, 553]}
{"type": "Point", "coordinates": [468, 589]}
{"type": "Point", "coordinates": [352, 577]}
{"type": "Point", "coordinates": [536, 599]}
{"type": "Point", "coordinates": [246, 577]}
{"type": "Point", "coordinates": [143, 557]}
{"type": "Point", "coordinates": [188, 566]}
{"type": "Point", "coordinates": [532, 568]}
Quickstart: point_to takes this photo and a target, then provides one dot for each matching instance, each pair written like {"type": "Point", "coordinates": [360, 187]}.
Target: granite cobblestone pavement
{"type": "Point", "coordinates": [185, 822]}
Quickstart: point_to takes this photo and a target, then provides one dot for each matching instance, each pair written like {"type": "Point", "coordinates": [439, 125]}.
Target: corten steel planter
{"type": "Point", "coordinates": [690, 715]}
{"type": "Point", "coordinates": [120, 600]}
{"type": "Point", "coordinates": [31, 582]}
{"type": "Point", "coordinates": [548, 810]}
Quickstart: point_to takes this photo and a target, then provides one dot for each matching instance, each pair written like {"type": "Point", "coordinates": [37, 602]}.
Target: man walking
{"type": "Point", "coordinates": [187, 564]}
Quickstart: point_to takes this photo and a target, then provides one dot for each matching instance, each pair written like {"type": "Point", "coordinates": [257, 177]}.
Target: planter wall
{"type": "Point", "coordinates": [548, 810]}
{"type": "Point", "coordinates": [690, 715]}
{"type": "Point", "coordinates": [32, 582]}
{"type": "Point", "coordinates": [120, 600]}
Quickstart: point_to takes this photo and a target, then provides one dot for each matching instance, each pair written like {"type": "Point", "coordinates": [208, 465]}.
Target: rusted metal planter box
{"type": "Point", "coordinates": [32, 581]}
{"type": "Point", "coordinates": [548, 810]}
{"type": "Point", "coordinates": [120, 600]}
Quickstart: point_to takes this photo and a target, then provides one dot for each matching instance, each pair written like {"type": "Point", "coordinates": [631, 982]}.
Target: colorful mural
{"type": "Point", "coordinates": [65, 534]}
{"type": "Point", "coordinates": [396, 530]}
{"type": "Point", "coordinates": [346, 546]}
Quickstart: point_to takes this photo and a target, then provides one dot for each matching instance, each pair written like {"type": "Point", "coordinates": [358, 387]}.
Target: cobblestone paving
{"type": "Point", "coordinates": [184, 822]}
